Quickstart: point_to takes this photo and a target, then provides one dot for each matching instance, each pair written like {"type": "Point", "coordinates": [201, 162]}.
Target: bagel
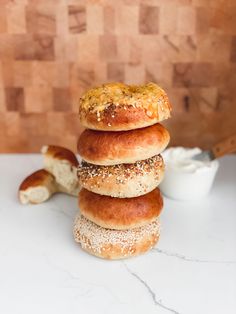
{"type": "Point", "coordinates": [120, 213]}
{"type": "Point", "coordinates": [124, 180]}
{"type": "Point", "coordinates": [113, 148]}
{"type": "Point", "coordinates": [37, 187]}
{"type": "Point", "coordinates": [59, 175]}
{"type": "Point", "coordinates": [62, 164]}
{"type": "Point", "coordinates": [115, 244]}
{"type": "Point", "coordinates": [119, 107]}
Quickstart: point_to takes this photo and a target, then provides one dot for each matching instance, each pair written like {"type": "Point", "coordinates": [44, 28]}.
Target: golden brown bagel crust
{"type": "Point", "coordinates": [37, 187]}
{"type": "Point", "coordinates": [37, 178]}
{"type": "Point", "coordinates": [113, 148]}
{"type": "Point", "coordinates": [119, 107]}
{"type": "Point", "coordinates": [60, 153]}
{"type": "Point", "coordinates": [62, 164]}
{"type": "Point", "coordinates": [120, 213]}
{"type": "Point", "coordinates": [123, 180]}
{"type": "Point", "coordinates": [115, 244]}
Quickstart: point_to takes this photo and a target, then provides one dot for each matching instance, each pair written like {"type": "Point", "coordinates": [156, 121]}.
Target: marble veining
{"type": "Point", "coordinates": [191, 270]}
{"type": "Point", "coordinates": [156, 301]}
{"type": "Point", "coordinates": [190, 259]}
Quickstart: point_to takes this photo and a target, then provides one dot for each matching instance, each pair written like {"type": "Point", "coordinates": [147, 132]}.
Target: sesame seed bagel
{"type": "Point", "coordinates": [123, 180]}
{"type": "Point", "coordinates": [113, 148]}
{"type": "Point", "coordinates": [119, 107]}
{"type": "Point", "coordinates": [115, 244]}
{"type": "Point", "coordinates": [120, 213]}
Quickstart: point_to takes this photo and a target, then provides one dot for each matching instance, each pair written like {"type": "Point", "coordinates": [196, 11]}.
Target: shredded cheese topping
{"type": "Point", "coordinates": [119, 94]}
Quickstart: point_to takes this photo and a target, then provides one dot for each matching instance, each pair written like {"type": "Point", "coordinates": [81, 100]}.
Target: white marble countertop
{"type": "Point", "coordinates": [42, 269]}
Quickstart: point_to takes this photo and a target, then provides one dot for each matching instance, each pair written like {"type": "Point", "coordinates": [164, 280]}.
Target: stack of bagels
{"type": "Point", "coordinates": [121, 168]}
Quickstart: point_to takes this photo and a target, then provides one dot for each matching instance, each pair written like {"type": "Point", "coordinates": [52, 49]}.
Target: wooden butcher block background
{"type": "Point", "coordinates": [52, 51]}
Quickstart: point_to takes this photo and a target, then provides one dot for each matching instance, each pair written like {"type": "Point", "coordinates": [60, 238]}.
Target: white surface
{"type": "Point", "coordinates": [42, 270]}
{"type": "Point", "coordinates": [186, 178]}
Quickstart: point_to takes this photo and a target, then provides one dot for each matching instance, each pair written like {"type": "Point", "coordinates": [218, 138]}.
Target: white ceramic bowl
{"type": "Point", "coordinates": [180, 184]}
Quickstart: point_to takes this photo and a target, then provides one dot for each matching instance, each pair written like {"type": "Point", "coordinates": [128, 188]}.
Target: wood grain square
{"type": "Point", "coordinates": [22, 73]}
{"type": "Point", "coordinates": [134, 50]}
{"type": "Point", "coordinates": [62, 20]}
{"type": "Point", "coordinates": [56, 123]}
{"type": "Point", "coordinates": [38, 99]}
{"type": "Point", "coordinates": [123, 47]}
{"type": "Point", "coordinates": [44, 47]}
{"type": "Point", "coordinates": [6, 47]}
{"type": "Point", "coordinates": [82, 75]}
{"type": "Point", "coordinates": [11, 144]}
{"type": "Point", "coordinates": [186, 24]}
{"type": "Point", "coordinates": [2, 126]}
{"type": "Point", "coordinates": [7, 68]}
{"type": "Point", "coordinates": [213, 47]}
{"type": "Point", "coordinates": [109, 19]}
{"type": "Point", "coordinates": [108, 47]}
{"type": "Point", "coordinates": [24, 47]}
{"type": "Point", "coordinates": [170, 48]}
{"type": "Point", "coordinates": [193, 74]}
{"type": "Point", "coordinates": [131, 76]}
{"type": "Point", "coordinates": [203, 19]}
{"type": "Point", "coordinates": [233, 49]}
{"type": "Point", "coordinates": [35, 124]}
{"type": "Point", "coordinates": [77, 19]}
{"type": "Point", "coordinates": [12, 123]}
{"type": "Point", "coordinates": [208, 100]}
{"type": "Point", "coordinates": [61, 99]}
{"type": "Point", "coordinates": [33, 47]}
{"type": "Point", "coordinates": [168, 19]}
{"type": "Point", "coordinates": [14, 98]}
{"type": "Point", "coordinates": [149, 19]}
{"type": "Point", "coordinates": [100, 73]}
{"type": "Point", "coordinates": [43, 73]}
{"type": "Point", "coordinates": [151, 48]}
{"type": "Point", "coordinates": [153, 72]}
{"type": "Point", "coordinates": [16, 19]}
{"type": "Point", "coordinates": [72, 125]}
{"type": "Point", "coordinates": [116, 72]}
{"type": "Point", "coordinates": [126, 20]}
{"type": "Point", "coordinates": [62, 75]}
{"type": "Point", "coordinates": [95, 19]}
{"type": "Point", "coordinates": [3, 20]}
{"type": "Point", "coordinates": [160, 73]}
{"type": "Point", "coordinates": [66, 48]}
{"type": "Point", "coordinates": [41, 18]}
{"type": "Point", "coordinates": [181, 99]}
{"type": "Point", "coordinates": [189, 47]}
{"type": "Point", "coordinates": [223, 19]}
{"type": "Point", "coordinates": [2, 100]}
{"type": "Point", "coordinates": [1, 76]}
{"type": "Point", "coordinates": [88, 48]}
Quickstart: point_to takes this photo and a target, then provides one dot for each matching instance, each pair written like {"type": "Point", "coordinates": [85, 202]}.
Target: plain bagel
{"type": "Point", "coordinates": [120, 213]}
{"type": "Point", "coordinates": [113, 148]}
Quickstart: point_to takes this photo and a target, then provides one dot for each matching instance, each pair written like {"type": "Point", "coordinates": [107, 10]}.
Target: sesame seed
{"type": "Point", "coordinates": [122, 173]}
{"type": "Point", "coordinates": [112, 95]}
{"type": "Point", "coordinates": [98, 239]}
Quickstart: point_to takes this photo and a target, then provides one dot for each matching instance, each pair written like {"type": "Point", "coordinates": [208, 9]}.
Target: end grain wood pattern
{"type": "Point", "coordinates": [52, 51]}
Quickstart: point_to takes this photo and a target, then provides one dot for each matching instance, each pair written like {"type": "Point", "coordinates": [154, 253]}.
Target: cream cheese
{"type": "Point", "coordinates": [186, 178]}
{"type": "Point", "coordinates": [181, 159]}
